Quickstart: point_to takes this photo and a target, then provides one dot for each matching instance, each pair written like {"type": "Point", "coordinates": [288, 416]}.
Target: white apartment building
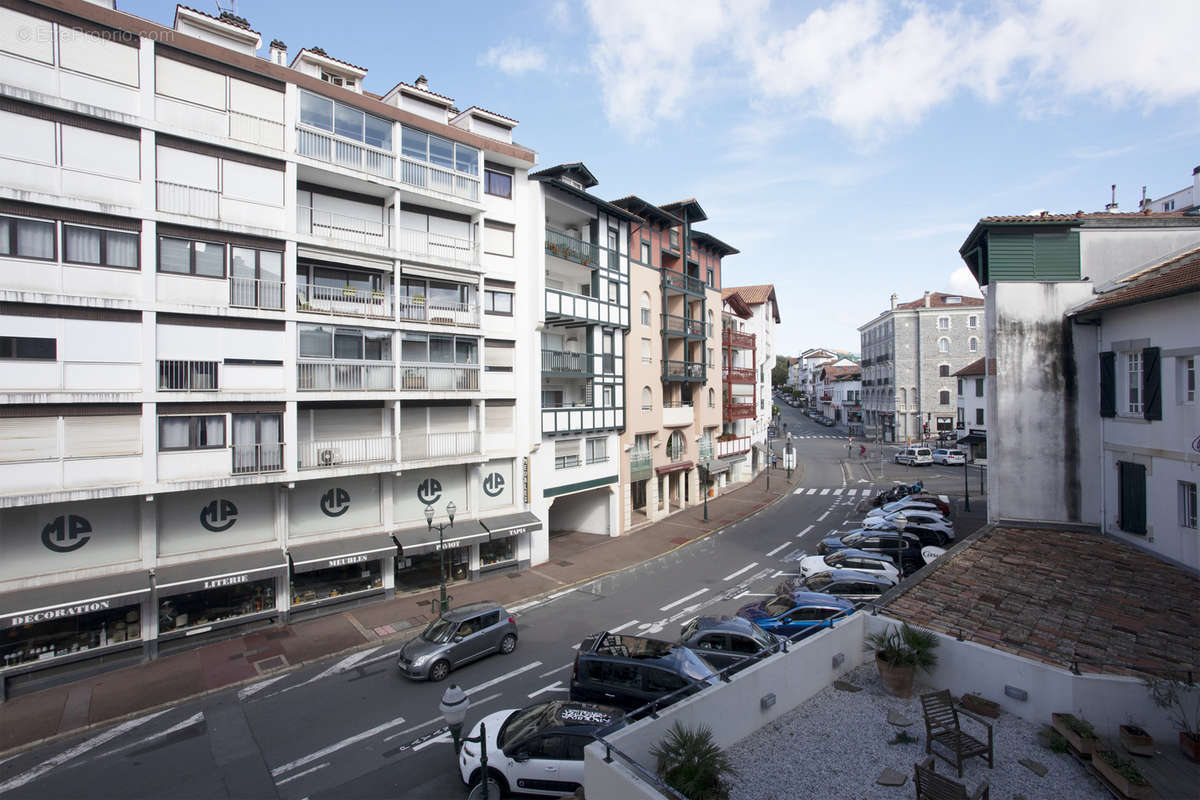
{"type": "Point", "coordinates": [764, 308]}
{"type": "Point", "coordinates": [1181, 200]}
{"type": "Point", "coordinates": [256, 322]}
{"type": "Point", "coordinates": [971, 425]}
{"type": "Point", "coordinates": [809, 369]}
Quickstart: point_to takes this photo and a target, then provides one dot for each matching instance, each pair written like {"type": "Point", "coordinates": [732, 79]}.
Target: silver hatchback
{"type": "Point", "coordinates": [458, 637]}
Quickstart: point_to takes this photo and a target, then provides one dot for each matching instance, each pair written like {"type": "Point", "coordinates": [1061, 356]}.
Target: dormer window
{"type": "Point", "coordinates": [950, 299]}
{"type": "Point", "coordinates": [571, 182]}
{"type": "Point", "coordinates": [337, 80]}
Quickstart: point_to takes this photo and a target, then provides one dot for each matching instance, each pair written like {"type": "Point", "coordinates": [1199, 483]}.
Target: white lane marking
{"type": "Point", "coordinates": [78, 750]}
{"type": "Point", "coordinates": [425, 724]}
{"type": "Point", "coordinates": [522, 607]}
{"type": "Point", "coordinates": [575, 646]}
{"type": "Point", "coordinates": [743, 594]}
{"type": "Point", "coordinates": [255, 688]}
{"type": "Point", "coordinates": [811, 491]}
{"type": "Point", "coordinates": [550, 672]}
{"type": "Point", "coordinates": [620, 628]}
{"type": "Point", "coordinates": [733, 575]}
{"type": "Point", "coordinates": [838, 491]}
{"type": "Point", "coordinates": [824, 491]}
{"type": "Point", "coordinates": [557, 595]}
{"type": "Point", "coordinates": [554, 687]}
{"type": "Point", "coordinates": [683, 600]}
{"type": "Point", "coordinates": [806, 530]}
{"type": "Point", "coordinates": [302, 774]}
{"type": "Point", "coordinates": [756, 594]}
{"type": "Point", "coordinates": [333, 748]}
{"type": "Point", "coordinates": [504, 677]}
{"type": "Point", "coordinates": [798, 491]}
{"type": "Point", "coordinates": [445, 737]}
{"type": "Point", "coordinates": [345, 664]}
{"type": "Point", "coordinates": [777, 549]}
{"type": "Point", "coordinates": [822, 517]}
{"type": "Point", "coordinates": [381, 657]}
{"type": "Point", "coordinates": [187, 723]}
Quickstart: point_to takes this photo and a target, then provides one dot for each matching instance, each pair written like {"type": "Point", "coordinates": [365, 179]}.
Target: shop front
{"type": "Point", "coordinates": [718, 474]}
{"type": "Point", "coordinates": [503, 548]}
{"type": "Point", "coordinates": [423, 556]}
{"type": "Point", "coordinates": [338, 570]}
{"type": "Point", "coordinates": [203, 596]}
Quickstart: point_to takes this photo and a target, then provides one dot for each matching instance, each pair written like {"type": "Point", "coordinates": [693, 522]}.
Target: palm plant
{"type": "Point", "coordinates": [905, 646]}
{"type": "Point", "coordinates": [693, 764]}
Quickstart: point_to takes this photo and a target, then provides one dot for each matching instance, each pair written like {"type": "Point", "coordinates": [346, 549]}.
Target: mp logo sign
{"type": "Point", "coordinates": [493, 484]}
{"type": "Point", "coordinates": [335, 502]}
{"type": "Point", "coordinates": [429, 491]}
{"type": "Point", "coordinates": [219, 515]}
{"type": "Point", "coordinates": [66, 533]}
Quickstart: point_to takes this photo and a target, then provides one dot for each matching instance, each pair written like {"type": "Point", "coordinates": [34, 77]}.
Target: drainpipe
{"type": "Point", "coordinates": [1103, 458]}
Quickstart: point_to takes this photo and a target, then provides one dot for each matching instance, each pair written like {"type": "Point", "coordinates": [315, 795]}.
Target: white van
{"type": "Point", "coordinates": [915, 456]}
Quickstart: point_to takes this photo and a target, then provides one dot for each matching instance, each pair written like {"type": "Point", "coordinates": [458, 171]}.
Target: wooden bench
{"type": "Point", "coordinates": [931, 786]}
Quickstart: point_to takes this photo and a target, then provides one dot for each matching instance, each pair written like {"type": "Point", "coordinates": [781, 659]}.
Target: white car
{"type": "Point", "coordinates": [903, 505]}
{"type": "Point", "coordinates": [915, 456]}
{"type": "Point", "coordinates": [857, 560]}
{"type": "Point", "coordinates": [949, 457]}
{"type": "Point", "coordinates": [931, 520]}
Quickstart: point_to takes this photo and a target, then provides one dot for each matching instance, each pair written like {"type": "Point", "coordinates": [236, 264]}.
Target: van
{"type": "Point", "coordinates": [915, 456]}
{"type": "Point", "coordinates": [631, 671]}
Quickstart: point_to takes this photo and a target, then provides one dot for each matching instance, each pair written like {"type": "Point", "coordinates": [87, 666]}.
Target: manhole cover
{"type": "Point", "coordinates": [564, 563]}
{"type": "Point", "coordinates": [268, 664]}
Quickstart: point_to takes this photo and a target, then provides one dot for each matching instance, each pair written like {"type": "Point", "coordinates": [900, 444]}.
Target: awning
{"type": "Point", "coordinates": [217, 572]}
{"type": "Point", "coordinates": [43, 603]}
{"type": "Point", "coordinates": [512, 525]}
{"type": "Point", "coordinates": [339, 552]}
{"type": "Point", "coordinates": [973, 438]}
{"type": "Point", "coordinates": [408, 268]}
{"type": "Point", "coordinates": [420, 539]}
{"type": "Point", "coordinates": [682, 465]}
{"type": "Point", "coordinates": [717, 467]}
{"type": "Point", "coordinates": [731, 460]}
{"type": "Point", "coordinates": [339, 257]}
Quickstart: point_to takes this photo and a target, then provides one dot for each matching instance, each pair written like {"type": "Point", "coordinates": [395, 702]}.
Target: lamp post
{"type": "Point", "coordinates": [901, 522]}
{"type": "Point", "coordinates": [441, 529]}
{"type": "Point", "coordinates": [705, 476]}
{"type": "Point", "coordinates": [787, 456]}
{"type": "Point", "coordinates": [966, 483]}
{"type": "Point", "coordinates": [454, 706]}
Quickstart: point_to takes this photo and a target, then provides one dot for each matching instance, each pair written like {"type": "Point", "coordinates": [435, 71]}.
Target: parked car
{"type": "Point", "coordinates": [928, 534]}
{"type": "Point", "coordinates": [860, 560]}
{"type": "Point", "coordinates": [897, 492]}
{"type": "Point", "coordinates": [922, 502]}
{"type": "Point", "coordinates": [458, 637]}
{"type": "Point", "coordinates": [631, 671]}
{"type": "Point", "coordinates": [883, 542]}
{"type": "Point", "coordinates": [849, 584]}
{"type": "Point", "coordinates": [914, 519]}
{"type": "Point", "coordinates": [727, 642]}
{"type": "Point", "coordinates": [828, 422]}
{"type": "Point", "coordinates": [537, 749]}
{"type": "Point", "coordinates": [949, 457]}
{"type": "Point", "coordinates": [915, 456]}
{"type": "Point", "coordinates": [795, 613]}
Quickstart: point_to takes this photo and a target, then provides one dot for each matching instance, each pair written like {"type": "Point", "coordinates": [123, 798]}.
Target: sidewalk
{"type": "Point", "coordinates": [56, 712]}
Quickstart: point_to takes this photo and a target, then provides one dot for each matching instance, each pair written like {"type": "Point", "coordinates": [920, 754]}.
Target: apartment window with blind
{"type": "Point", "coordinates": [498, 356]}
{"type": "Point", "coordinates": [27, 238]}
{"type": "Point", "coordinates": [1187, 505]}
{"type": "Point", "coordinates": [497, 303]}
{"type": "Point", "coordinates": [1187, 379]}
{"type": "Point", "coordinates": [191, 432]}
{"type": "Point", "coordinates": [566, 453]}
{"type": "Point", "coordinates": [100, 247]}
{"type": "Point", "coordinates": [646, 358]}
{"type": "Point", "coordinates": [191, 257]}
{"type": "Point", "coordinates": [597, 450]}
{"type": "Point", "coordinates": [645, 252]}
{"type": "Point", "coordinates": [499, 417]}
{"type": "Point", "coordinates": [499, 239]}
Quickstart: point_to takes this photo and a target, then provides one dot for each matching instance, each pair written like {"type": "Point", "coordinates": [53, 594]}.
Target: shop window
{"type": "Point", "coordinates": [63, 636]}
{"type": "Point", "coordinates": [324, 584]}
{"type": "Point", "coordinates": [497, 553]}
{"type": "Point", "coordinates": [215, 605]}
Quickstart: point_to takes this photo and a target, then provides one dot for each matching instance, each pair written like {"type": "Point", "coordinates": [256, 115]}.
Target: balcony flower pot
{"type": "Point", "coordinates": [981, 705]}
{"type": "Point", "coordinates": [1122, 775]}
{"type": "Point", "coordinates": [1078, 733]}
{"type": "Point", "coordinates": [1135, 740]}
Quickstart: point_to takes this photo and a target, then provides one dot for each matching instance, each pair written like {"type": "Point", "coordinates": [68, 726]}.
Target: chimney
{"type": "Point", "coordinates": [894, 298]}
{"type": "Point", "coordinates": [422, 83]}
{"type": "Point", "coordinates": [1195, 187]}
{"type": "Point", "coordinates": [278, 53]}
{"type": "Point", "coordinates": [927, 298]}
{"type": "Point", "coordinates": [1112, 207]}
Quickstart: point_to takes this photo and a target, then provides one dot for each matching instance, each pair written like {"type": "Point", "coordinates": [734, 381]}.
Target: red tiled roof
{"type": "Point", "coordinates": [838, 372]}
{"type": "Point", "coordinates": [938, 300]}
{"type": "Point", "coordinates": [226, 21]}
{"type": "Point", "coordinates": [318, 52]}
{"type": "Point", "coordinates": [426, 91]}
{"type": "Point", "coordinates": [755, 295]}
{"type": "Point", "coordinates": [974, 368]}
{"type": "Point", "coordinates": [481, 108]}
{"type": "Point", "coordinates": [1080, 215]}
{"type": "Point", "coordinates": [1061, 596]}
{"type": "Point", "coordinates": [1178, 275]}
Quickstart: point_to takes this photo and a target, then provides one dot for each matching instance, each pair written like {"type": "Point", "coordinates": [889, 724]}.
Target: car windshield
{"type": "Point", "coordinates": [852, 539]}
{"type": "Point", "coordinates": [820, 580]}
{"type": "Point", "coordinates": [524, 722]}
{"type": "Point", "coordinates": [439, 631]}
{"type": "Point", "coordinates": [780, 605]}
{"type": "Point", "coordinates": [761, 636]}
{"type": "Point", "coordinates": [693, 666]}
{"type": "Point", "coordinates": [689, 630]}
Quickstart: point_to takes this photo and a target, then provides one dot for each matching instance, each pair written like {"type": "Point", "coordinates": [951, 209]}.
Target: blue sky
{"type": "Point", "coordinates": [846, 147]}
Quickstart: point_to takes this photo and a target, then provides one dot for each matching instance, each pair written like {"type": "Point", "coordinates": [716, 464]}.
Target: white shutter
{"type": "Point", "coordinates": [195, 85]}
{"type": "Point", "coordinates": [255, 184]}
{"type": "Point", "coordinates": [447, 419]}
{"type": "Point", "coordinates": [101, 152]}
{"type": "Point", "coordinates": [499, 418]}
{"type": "Point", "coordinates": [88, 437]}
{"type": "Point", "coordinates": [15, 30]}
{"type": "Point", "coordinates": [188, 169]}
{"type": "Point", "coordinates": [498, 241]}
{"type": "Point", "coordinates": [498, 354]}
{"type": "Point", "coordinates": [24, 138]}
{"type": "Point", "coordinates": [459, 229]}
{"type": "Point", "coordinates": [412, 419]}
{"type": "Point", "coordinates": [28, 438]}
{"type": "Point", "coordinates": [257, 101]}
{"type": "Point", "coordinates": [413, 221]}
{"type": "Point", "coordinates": [346, 423]}
{"type": "Point", "coordinates": [566, 447]}
{"type": "Point", "coordinates": [92, 55]}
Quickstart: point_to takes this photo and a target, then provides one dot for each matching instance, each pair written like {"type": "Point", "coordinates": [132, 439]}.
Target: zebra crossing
{"type": "Point", "coordinates": [847, 491]}
{"type": "Point", "coordinates": [818, 436]}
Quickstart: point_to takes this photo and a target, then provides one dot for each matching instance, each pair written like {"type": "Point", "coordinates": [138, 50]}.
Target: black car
{"type": "Point", "coordinates": [727, 641]}
{"type": "Point", "coordinates": [849, 584]}
{"type": "Point", "coordinates": [929, 536]}
{"type": "Point", "coordinates": [887, 543]}
{"type": "Point", "coordinates": [631, 671]}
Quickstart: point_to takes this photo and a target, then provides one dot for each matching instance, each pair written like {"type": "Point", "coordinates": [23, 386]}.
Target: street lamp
{"type": "Point", "coordinates": [901, 522]}
{"type": "Point", "coordinates": [787, 456]}
{"type": "Point", "coordinates": [704, 478]}
{"type": "Point", "coordinates": [454, 706]}
{"type": "Point", "coordinates": [441, 529]}
{"type": "Point", "coordinates": [966, 483]}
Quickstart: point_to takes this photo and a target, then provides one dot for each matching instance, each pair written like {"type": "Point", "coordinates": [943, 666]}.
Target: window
{"type": "Point", "coordinates": [943, 323]}
{"type": "Point", "coordinates": [27, 238]}
{"type": "Point", "coordinates": [979, 387]}
{"type": "Point", "coordinates": [960, 387]}
{"type": "Point", "coordinates": [973, 344]}
{"type": "Point", "coordinates": [497, 183]}
{"type": "Point", "coordinates": [321, 112]}
{"type": "Point", "coordinates": [645, 252]}
{"type": "Point", "coordinates": [1187, 379]}
{"type": "Point", "coordinates": [606, 396]}
{"type": "Point", "coordinates": [647, 399]}
{"type": "Point", "coordinates": [972, 321]}
{"type": "Point", "coordinates": [943, 370]}
{"type": "Point", "coordinates": [674, 238]}
{"type": "Point", "coordinates": [255, 278]}
{"type": "Point", "coordinates": [1131, 497]}
{"type": "Point", "coordinates": [191, 257]}
{"type": "Point", "coordinates": [100, 246]}
{"type": "Point", "coordinates": [566, 453]}
{"type": "Point", "coordinates": [614, 292]}
{"type": "Point", "coordinates": [498, 239]}
{"type": "Point", "coordinates": [712, 361]}
{"type": "Point", "coordinates": [712, 280]}
{"type": "Point", "coordinates": [191, 433]}
{"type": "Point", "coordinates": [645, 308]}
{"type": "Point", "coordinates": [597, 450]}
{"type": "Point", "coordinates": [646, 359]}
{"type": "Point", "coordinates": [979, 416]}
{"type": "Point", "coordinates": [943, 398]}
{"type": "Point", "coordinates": [943, 345]}
{"type": "Point", "coordinates": [497, 302]}
{"type": "Point", "coordinates": [421, 146]}
{"type": "Point", "coordinates": [1187, 505]}
{"type": "Point", "coordinates": [498, 356]}
{"type": "Point", "coordinates": [1133, 381]}
{"type": "Point", "coordinates": [676, 446]}
{"type": "Point", "coordinates": [712, 399]}
{"type": "Point", "coordinates": [354, 344]}
{"type": "Point", "coordinates": [30, 348]}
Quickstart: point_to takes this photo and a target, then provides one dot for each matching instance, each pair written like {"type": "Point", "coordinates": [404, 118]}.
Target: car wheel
{"type": "Point", "coordinates": [496, 777]}
{"type": "Point", "coordinates": [508, 644]}
{"type": "Point", "coordinates": [439, 671]}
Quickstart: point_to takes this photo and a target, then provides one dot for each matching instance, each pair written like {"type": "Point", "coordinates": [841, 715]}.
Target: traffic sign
{"type": "Point", "coordinates": [771, 433]}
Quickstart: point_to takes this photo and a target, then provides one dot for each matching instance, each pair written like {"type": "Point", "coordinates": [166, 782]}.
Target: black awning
{"type": "Point", "coordinates": [338, 552]}
{"type": "Point", "coordinates": [420, 539]}
{"type": "Point", "coordinates": [973, 438]}
{"type": "Point", "coordinates": [42, 603]}
{"type": "Point", "coordinates": [215, 572]}
{"type": "Point", "coordinates": [511, 525]}
{"type": "Point", "coordinates": [717, 467]}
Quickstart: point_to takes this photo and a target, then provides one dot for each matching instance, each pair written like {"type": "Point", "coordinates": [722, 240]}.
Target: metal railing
{"type": "Point", "coordinates": [734, 411]}
{"type": "Point", "coordinates": [421, 310]}
{"type": "Point", "coordinates": [250, 458]}
{"type": "Point", "coordinates": [438, 180]}
{"type": "Point", "coordinates": [436, 378]}
{"type": "Point", "coordinates": [437, 248]}
{"type": "Point", "coordinates": [640, 460]}
{"type": "Point", "coordinates": [685, 326]}
{"type": "Point", "coordinates": [188, 376]}
{"type": "Point", "coordinates": [737, 338]}
{"type": "Point", "coordinates": [178, 198]}
{"type": "Point", "coordinates": [733, 447]}
{"type": "Point", "coordinates": [334, 452]}
{"type": "Point", "coordinates": [419, 446]}
{"type": "Point", "coordinates": [345, 153]}
{"type": "Point", "coordinates": [598, 458]}
{"type": "Point", "coordinates": [347, 301]}
{"type": "Point", "coordinates": [257, 130]}
{"type": "Point", "coordinates": [563, 361]}
{"type": "Point", "coordinates": [738, 374]}
{"type": "Point", "coordinates": [683, 369]}
{"type": "Point", "coordinates": [566, 462]}
{"type": "Point", "coordinates": [344, 376]}
{"type": "Point", "coordinates": [343, 227]}
{"type": "Point", "coordinates": [682, 283]}
{"type": "Point", "coordinates": [255, 293]}
{"type": "Point", "coordinates": [572, 249]}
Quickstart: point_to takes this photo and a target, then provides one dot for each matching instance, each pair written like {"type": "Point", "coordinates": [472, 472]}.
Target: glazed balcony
{"type": "Point", "coordinates": [439, 181]}
{"type": "Point", "coordinates": [641, 465]}
{"type": "Point", "coordinates": [345, 301]}
{"type": "Point", "coordinates": [733, 447]}
{"type": "Point", "coordinates": [581, 419]}
{"type": "Point", "coordinates": [342, 152]}
{"type": "Point", "coordinates": [683, 370]}
{"type": "Point", "coordinates": [571, 249]}
{"type": "Point", "coordinates": [677, 414]}
{"type": "Point", "coordinates": [324, 453]}
{"type": "Point", "coordinates": [738, 375]}
{"type": "Point", "coordinates": [678, 282]}
{"type": "Point", "coordinates": [345, 376]}
{"type": "Point", "coordinates": [735, 411]}
{"type": "Point", "coordinates": [563, 305]}
{"type": "Point", "coordinates": [676, 325]}
{"type": "Point", "coordinates": [343, 229]}
{"type": "Point", "coordinates": [438, 378]}
{"type": "Point", "coordinates": [731, 338]}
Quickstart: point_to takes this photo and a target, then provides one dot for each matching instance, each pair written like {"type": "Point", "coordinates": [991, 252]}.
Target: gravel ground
{"type": "Point", "coordinates": [836, 745]}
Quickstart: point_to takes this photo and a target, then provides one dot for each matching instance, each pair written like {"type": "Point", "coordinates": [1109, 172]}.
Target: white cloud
{"type": "Point", "coordinates": [560, 15]}
{"type": "Point", "coordinates": [514, 58]}
{"type": "Point", "coordinates": [963, 282]}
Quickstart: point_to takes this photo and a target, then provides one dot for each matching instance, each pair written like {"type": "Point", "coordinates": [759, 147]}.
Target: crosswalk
{"type": "Point", "coordinates": [845, 491]}
{"type": "Point", "coordinates": [819, 436]}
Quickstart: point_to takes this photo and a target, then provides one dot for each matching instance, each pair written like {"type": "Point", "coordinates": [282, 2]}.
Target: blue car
{"type": "Point", "coordinates": [798, 612]}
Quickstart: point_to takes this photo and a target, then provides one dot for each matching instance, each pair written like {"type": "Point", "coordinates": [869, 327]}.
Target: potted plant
{"type": "Point", "coordinates": [691, 763]}
{"type": "Point", "coordinates": [1136, 740]}
{"type": "Point", "coordinates": [1122, 775]}
{"type": "Point", "coordinates": [899, 652]}
{"type": "Point", "coordinates": [1181, 699]}
{"type": "Point", "coordinates": [973, 701]}
{"type": "Point", "coordinates": [1079, 733]}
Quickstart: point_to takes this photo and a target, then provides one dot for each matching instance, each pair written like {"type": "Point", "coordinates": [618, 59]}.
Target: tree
{"type": "Point", "coordinates": [779, 374]}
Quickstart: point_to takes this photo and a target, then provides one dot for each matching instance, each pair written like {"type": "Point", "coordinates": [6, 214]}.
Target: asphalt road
{"type": "Point", "coordinates": [354, 728]}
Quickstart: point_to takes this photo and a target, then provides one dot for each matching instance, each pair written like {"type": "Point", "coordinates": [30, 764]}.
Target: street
{"type": "Point", "coordinates": [354, 728]}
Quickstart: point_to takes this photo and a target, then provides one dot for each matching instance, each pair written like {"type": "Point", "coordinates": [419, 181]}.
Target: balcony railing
{"type": "Point", "coordinates": [437, 378]}
{"type": "Point", "coordinates": [572, 249]}
{"type": "Point", "coordinates": [420, 446]}
{"type": "Point", "coordinates": [737, 338]}
{"type": "Point", "coordinates": [437, 313]}
{"type": "Point", "coordinates": [733, 447]}
{"type": "Point", "coordinates": [343, 228]}
{"type": "Point", "coordinates": [345, 376]}
{"type": "Point", "coordinates": [255, 293]}
{"type": "Point", "coordinates": [349, 301]}
{"type": "Point", "coordinates": [251, 458]}
{"type": "Point", "coordinates": [178, 198]}
{"type": "Point", "coordinates": [335, 452]}
{"type": "Point", "coordinates": [567, 462]}
{"type": "Point", "coordinates": [738, 374]}
{"type": "Point", "coordinates": [345, 153]}
{"type": "Point", "coordinates": [682, 283]}
{"type": "Point", "coordinates": [560, 303]}
{"type": "Point", "coordinates": [436, 248]}
{"type": "Point", "coordinates": [683, 369]}
{"type": "Point", "coordinates": [440, 181]}
{"type": "Point", "coordinates": [188, 376]}
{"type": "Point", "coordinates": [571, 363]}
{"type": "Point", "coordinates": [733, 411]}
{"type": "Point", "coordinates": [682, 326]}
{"type": "Point", "coordinates": [640, 464]}
{"type": "Point", "coordinates": [257, 130]}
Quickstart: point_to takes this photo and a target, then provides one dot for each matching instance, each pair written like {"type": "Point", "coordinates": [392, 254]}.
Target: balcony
{"type": "Point", "coordinates": [736, 411]}
{"type": "Point", "coordinates": [738, 375]}
{"type": "Point", "coordinates": [561, 305]}
{"type": "Point", "coordinates": [345, 376]}
{"type": "Point", "coordinates": [342, 228]}
{"type": "Point", "coordinates": [437, 313]}
{"type": "Point", "coordinates": [344, 153]}
{"type": "Point", "coordinates": [565, 363]}
{"type": "Point", "coordinates": [435, 248]}
{"type": "Point", "coordinates": [731, 338]}
{"type": "Point", "coordinates": [194, 201]}
{"type": "Point", "coordinates": [571, 249]}
{"type": "Point", "coordinates": [733, 447]}
{"type": "Point", "coordinates": [640, 465]}
{"type": "Point", "coordinates": [678, 282]}
{"type": "Point", "coordinates": [254, 458]}
{"type": "Point", "coordinates": [187, 376]}
{"type": "Point", "coordinates": [425, 446]}
{"type": "Point", "coordinates": [438, 378]}
{"type": "Point", "coordinates": [581, 419]}
{"type": "Point", "coordinates": [683, 370]}
{"type": "Point", "coordinates": [346, 301]}
{"type": "Point", "coordinates": [336, 452]}
{"type": "Point", "coordinates": [439, 181]}
{"type": "Point", "coordinates": [676, 325]}
{"type": "Point", "coordinates": [255, 293]}
{"type": "Point", "coordinates": [677, 415]}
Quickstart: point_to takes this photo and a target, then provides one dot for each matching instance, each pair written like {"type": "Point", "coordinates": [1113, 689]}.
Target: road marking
{"type": "Point", "coordinates": [255, 688]}
{"type": "Point", "coordinates": [557, 595]}
{"type": "Point", "coordinates": [554, 687]}
{"type": "Point", "coordinates": [620, 628]}
{"type": "Point", "coordinates": [838, 491]}
{"type": "Point", "coordinates": [344, 665]}
{"type": "Point", "coordinates": [78, 750]}
{"type": "Point", "coordinates": [806, 530]}
{"type": "Point", "coordinates": [682, 600]}
{"type": "Point", "coordinates": [743, 594]}
{"type": "Point", "coordinates": [302, 774]}
{"type": "Point", "coordinates": [522, 607]}
{"type": "Point", "coordinates": [187, 723]}
{"type": "Point", "coordinates": [812, 491]}
{"type": "Point", "coordinates": [822, 517]}
{"type": "Point", "coordinates": [824, 491]}
{"type": "Point", "coordinates": [756, 594]}
{"type": "Point", "coordinates": [550, 672]}
{"type": "Point", "coordinates": [777, 549]}
{"type": "Point", "coordinates": [445, 737]}
{"type": "Point", "coordinates": [733, 575]}
{"type": "Point", "coordinates": [504, 677]}
{"type": "Point", "coordinates": [424, 724]}
{"type": "Point", "coordinates": [389, 654]}
{"type": "Point", "coordinates": [333, 748]}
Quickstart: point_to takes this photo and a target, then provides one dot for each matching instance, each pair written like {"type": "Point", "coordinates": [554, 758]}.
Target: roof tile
{"type": "Point", "coordinates": [1174, 276]}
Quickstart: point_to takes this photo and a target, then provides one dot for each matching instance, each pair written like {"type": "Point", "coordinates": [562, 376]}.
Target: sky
{"type": "Point", "coordinates": [846, 148]}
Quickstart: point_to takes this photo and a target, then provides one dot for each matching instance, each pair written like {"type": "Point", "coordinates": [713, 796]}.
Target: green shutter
{"type": "Point", "coordinates": [1108, 384]}
{"type": "Point", "coordinates": [1010, 257]}
{"type": "Point", "coordinates": [1151, 383]}
{"type": "Point", "coordinates": [1131, 513]}
{"type": "Point", "coordinates": [1056, 256]}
